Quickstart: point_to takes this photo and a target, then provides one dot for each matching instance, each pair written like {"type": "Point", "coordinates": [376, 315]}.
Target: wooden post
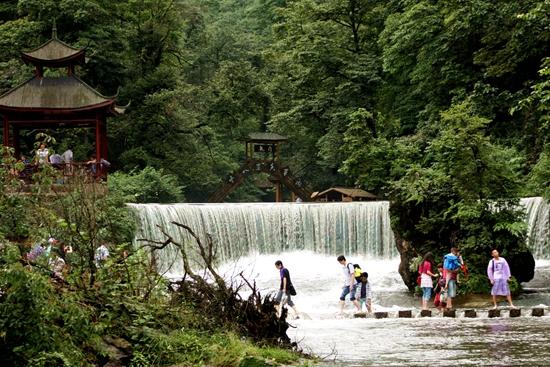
{"type": "Point", "coordinates": [97, 146]}
{"type": "Point", "coordinates": [278, 192]}
{"type": "Point", "coordinates": [515, 312]}
{"type": "Point", "coordinates": [538, 312]}
{"type": "Point", "coordinates": [426, 313]}
{"type": "Point", "coordinates": [381, 315]}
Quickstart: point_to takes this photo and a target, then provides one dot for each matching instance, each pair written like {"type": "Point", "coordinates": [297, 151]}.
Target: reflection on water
{"type": "Point", "coordinates": [435, 341]}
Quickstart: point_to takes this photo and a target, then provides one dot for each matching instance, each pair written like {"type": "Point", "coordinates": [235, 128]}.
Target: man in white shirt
{"type": "Point", "coordinates": [349, 283]}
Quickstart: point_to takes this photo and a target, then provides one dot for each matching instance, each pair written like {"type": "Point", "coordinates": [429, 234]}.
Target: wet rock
{"type": "Point", "coordinates": [404, 313]}
{"type": "Point", "coordinates": [470, 313]}
{"type": "Point", "coordinates": [522, 266]}
{"type": "Point", "coordinates": [449, 313]}
{"type": "Point", "coordinates": [426, 313]}
{"type": "Point", "coordinates": [515, 312]}
{"type": "Point", "coordinates": [537, 312]}
{"type": "Point", "coordinates": [494, 313]}
{"type": "Point", "coordinates": [381, 315]}
{"type": "Point", "coordinates": [361, 315]}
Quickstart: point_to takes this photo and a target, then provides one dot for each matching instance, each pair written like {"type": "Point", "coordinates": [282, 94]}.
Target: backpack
{"type": "Point", "coordinates": [357, 272]}
{"type": "Point", "coordinates": [451, 262]}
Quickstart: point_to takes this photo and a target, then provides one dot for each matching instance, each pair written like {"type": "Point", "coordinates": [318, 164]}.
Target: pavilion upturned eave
{"type": "Point", "coordinates": [53, 94]}
{"type": "Point", "coordinates": [54, 53]}
{"type": "Point", "coordinates": [108, 106]}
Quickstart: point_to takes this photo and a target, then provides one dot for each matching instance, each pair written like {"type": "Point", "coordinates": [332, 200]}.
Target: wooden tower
{"type": "Point", "coordinates": [263, 155]}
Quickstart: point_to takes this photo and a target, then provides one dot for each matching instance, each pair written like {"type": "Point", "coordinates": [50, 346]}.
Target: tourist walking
{"type": "Point", "coordinates": [451, 263]}
{"type": "Point", "coordinates": [286, 290]}
{"type": "Point", "coordinates": [499, 274]}
{"type": "Point", "coordinates": [426, 282]}
{"type": "Point", "coordinates": [350, 285]}
{"type": "Point", "coordinates": [42, 154]}
{"type": "Point", "coordinates": [101, 255]}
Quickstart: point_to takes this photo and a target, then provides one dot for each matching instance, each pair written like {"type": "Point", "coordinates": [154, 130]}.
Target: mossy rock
{"type": "Point", "coordinates": [254, 362]}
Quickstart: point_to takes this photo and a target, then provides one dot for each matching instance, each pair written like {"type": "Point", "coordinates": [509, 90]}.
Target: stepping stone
{"type": "Point", "coordinates": [405, 313]}
{"type": "Point", "coordinates": [361, 315]}
{"type": "Point", "coordinates": [494, 312]}
{"type": "Point", "coordinates": [515, 312]}
{"type": "Point", "coordinates": [470, 313]}
{"type": "Point", "coordinates": [380, 315]}
{"type": "Point", "coordinates": [449, 313]}
{"type": "Point", "coordinates": [537, 312]}
{"type": "Point", "coordinates": [426, 313]}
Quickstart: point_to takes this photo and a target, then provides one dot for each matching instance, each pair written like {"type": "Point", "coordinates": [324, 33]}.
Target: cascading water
{"type": "Point", "coordinates": [538, 226]}
{"type": "Point", "coordinates": [242, 229]}
{"type": "Point", "coordinates": [307, 236]}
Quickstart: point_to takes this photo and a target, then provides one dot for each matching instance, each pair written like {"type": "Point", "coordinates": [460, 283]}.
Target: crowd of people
{"type": "Point", "coordinates": [356, 282]}
{"type": "Point", "coordinates": [446, 277]}
{"type": "Point", "coordinates": [63, 162]}
{"type": "Point", "coordinates": [55, 256]}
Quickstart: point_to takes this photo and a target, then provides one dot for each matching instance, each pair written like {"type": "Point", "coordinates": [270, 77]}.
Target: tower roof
{"type": "Point", "coordinates": [62, 93]}
{"type": "Point", "coordinates": [54, 53]}
{"type": "Point", "coordinates": [266, 137]}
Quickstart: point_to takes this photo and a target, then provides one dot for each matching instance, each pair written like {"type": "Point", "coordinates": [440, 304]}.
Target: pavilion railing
{"type": "Point", "coordinates": [63, 172]}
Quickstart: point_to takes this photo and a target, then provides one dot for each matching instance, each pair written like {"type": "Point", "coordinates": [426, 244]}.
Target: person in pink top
{"type": "Point", "coordinates": [426, 282]}
{"type": "Point", "coordinates": [499, 274]}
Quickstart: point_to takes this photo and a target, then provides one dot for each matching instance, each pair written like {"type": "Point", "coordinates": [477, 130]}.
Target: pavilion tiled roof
{"type": "Point", "coordinates": [351, 192]}
{"type": "Point", "coordinates": [68, 92]}
{"type": "Point", "coordinates": [53, 50]}
{"type": "Point", "coordinates": [266, 137]}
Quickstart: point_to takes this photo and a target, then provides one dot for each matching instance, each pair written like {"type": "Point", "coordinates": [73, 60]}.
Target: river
{"type": "Point", "coordinates": [304, 233]}
{"type": "Point", "coordinates": [436, 341]}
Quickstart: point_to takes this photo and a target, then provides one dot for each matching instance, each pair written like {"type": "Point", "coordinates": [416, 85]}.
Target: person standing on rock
{"type": "Point", "coordinates": [350, 283]}
{"type": "Point", "coordinates": [426, 282]}
{"type": "Point", "coordinates": [499, 274]}
{"type": "Point", "coordinates": [451, 264]}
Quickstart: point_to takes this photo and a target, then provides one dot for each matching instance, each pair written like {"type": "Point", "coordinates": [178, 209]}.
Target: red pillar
{"type": "Point", "coordinates": [16, 143]}
{"type": "Point", "coordinates": [100, 142]}
{"type": "Point", "coordinates": [103, 137]}
{"type": "Point", "coordinates": [6, 132]}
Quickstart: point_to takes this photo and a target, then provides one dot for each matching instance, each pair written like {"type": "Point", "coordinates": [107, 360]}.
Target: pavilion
{"type": "Point", "coordinates": [56, 102]}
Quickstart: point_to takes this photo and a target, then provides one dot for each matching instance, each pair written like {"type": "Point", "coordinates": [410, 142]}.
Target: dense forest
{"type": "Point", "coordinates": [375, 94]}
{"type": "Point", "coordinates": [441, 107]}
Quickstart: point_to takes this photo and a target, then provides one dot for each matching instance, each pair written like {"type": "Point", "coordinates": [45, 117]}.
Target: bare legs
{"type": "Point", "coordinates": [508, 297]}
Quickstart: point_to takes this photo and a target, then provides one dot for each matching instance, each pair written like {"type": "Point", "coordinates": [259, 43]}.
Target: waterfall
{"type": "Point", "coordinates": [538, 226]}
{"type": "Point", "coordinates": [240, 229]}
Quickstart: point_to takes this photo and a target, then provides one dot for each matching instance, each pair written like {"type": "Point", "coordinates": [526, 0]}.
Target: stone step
{"type": "Point", "coordinates": [467, 313]}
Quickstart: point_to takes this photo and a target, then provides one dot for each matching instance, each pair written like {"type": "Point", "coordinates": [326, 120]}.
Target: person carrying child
{"type": "Point", "coordinates": [364, 293]}
{"type": "Point", "coordinates": [452, 262]}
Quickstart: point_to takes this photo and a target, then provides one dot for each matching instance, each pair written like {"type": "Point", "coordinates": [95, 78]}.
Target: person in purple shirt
{"type": "Point", "coordinates": [286, 290]}
{"type": "Point", "coordinates": [499, 274]}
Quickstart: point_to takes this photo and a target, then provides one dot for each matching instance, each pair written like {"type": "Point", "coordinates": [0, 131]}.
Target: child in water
{"type": "Point", "coordinates": [364, 294]}
{"type": "Point", "coordinates": [439, 301]}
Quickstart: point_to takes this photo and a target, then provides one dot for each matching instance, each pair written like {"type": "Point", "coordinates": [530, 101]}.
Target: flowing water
{"type": "Point", "coordinates": [538, 226]}
{"type": "Point", "coordinates": [437, 341]}
{"type": "Point", "coordinates": [306, 237]}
